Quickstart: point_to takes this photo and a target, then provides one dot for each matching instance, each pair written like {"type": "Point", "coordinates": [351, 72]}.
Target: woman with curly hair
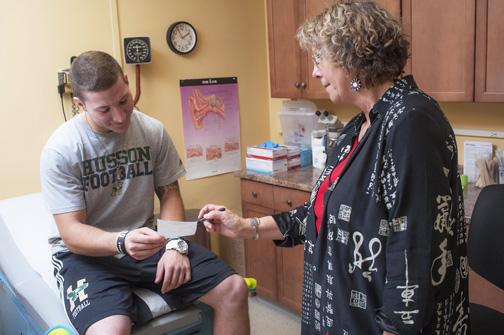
{"type": "Point", "coordinates": [384, 230]}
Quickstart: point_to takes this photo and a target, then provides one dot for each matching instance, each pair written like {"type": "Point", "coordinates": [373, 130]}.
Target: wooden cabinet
{"type": "Point", "coordinates": [290, 67]}
{"type": "Point", "coordinates": [456, 52]}
{"type": "Point", "coordinates": [489, 83]}
{"type": "Point", "coordinates": [279, 271]}
{"type": "Point", "coordinates": [442, 46]}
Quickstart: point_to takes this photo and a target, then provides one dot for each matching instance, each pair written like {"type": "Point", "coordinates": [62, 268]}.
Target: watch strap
{"type": "Point", "coordinates": [121, 242]}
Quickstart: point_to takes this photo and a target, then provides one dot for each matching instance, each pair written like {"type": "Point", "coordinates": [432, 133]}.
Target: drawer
{"type": "Point", "coordinates": [286, 199]}
{"type": "Point", "coordinates": [257, 193]}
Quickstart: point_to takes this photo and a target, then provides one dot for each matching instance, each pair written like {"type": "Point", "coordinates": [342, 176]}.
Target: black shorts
{"type": "Point", "coordinates": [94, 288]}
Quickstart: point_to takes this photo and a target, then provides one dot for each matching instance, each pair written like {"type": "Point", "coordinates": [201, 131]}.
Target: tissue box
{"type": "Point", "coordinates": [293, 156]}
{"type": "Point", "coordinates": [266, 160]}
{"type": "Point", "coordinates": [277, 153]}
{"type": "Point", "coordinates": [265, 166]}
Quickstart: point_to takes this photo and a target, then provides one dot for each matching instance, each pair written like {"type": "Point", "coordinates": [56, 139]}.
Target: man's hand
{"type": "Point", "coordinates": [143, 242]}
{"type": "Point", "coordinates": [173, 270]}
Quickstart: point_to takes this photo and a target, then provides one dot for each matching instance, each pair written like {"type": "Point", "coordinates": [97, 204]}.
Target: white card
{"type": "Point", "coordinates": [173, 229]}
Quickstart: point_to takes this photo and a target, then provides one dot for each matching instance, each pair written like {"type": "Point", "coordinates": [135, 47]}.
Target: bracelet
{"type": "Point", "coordinates": [254, 222]}
{"type": "Point", "coordinates": [121, 242]}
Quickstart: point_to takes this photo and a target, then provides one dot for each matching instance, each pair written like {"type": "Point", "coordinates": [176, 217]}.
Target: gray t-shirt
{"type": "Point", "coordinates": [112, 176]}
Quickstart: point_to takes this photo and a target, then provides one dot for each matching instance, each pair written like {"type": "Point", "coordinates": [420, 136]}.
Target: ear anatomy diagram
{"type": "Point", "coordinates": [201, 105]}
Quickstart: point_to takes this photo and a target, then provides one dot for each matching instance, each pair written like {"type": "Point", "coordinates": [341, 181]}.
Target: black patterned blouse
{"type": "Point", "coordinates": [391, 252]}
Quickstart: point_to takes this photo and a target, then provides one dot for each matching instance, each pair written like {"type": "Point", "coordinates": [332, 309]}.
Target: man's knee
{"type": "Point", "coordinates": [231, 290]}
{"type": "Point", "coordinates": [235, 290]}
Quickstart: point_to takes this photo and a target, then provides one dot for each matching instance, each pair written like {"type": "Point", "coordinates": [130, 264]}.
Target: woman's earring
{"type": "Point", "coordinates": [355, 84]}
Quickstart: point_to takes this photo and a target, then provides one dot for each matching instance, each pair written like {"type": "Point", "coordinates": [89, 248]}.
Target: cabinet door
{"type": "Point", "coordinates": [284, 51]}
{"type": "Point", "coordinates": [312, 88]}
{"type": "Point", "coordinates": [489, 84]}
{"type": "Point", "coordinates": [442, 46]}
{"type": "Point", "coordinates": [260, 258]}
{"type": "Point", "coordinates": [290, 261]}
{"type": "Point", "coordinates": [290, 264]}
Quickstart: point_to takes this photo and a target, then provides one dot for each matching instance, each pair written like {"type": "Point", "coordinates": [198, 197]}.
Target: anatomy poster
{"type": "Point", "coordinates": [211, 117]}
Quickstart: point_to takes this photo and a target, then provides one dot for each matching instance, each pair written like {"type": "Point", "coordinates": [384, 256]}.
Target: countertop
{"type": "Point", "coordinates": [304, 178]}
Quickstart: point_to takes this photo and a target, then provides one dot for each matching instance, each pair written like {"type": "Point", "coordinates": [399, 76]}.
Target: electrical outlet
{"type": "Point", "coordinates": [63, 76]}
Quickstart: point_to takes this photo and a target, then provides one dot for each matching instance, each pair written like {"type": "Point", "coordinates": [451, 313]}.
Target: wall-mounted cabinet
{"type": "Point", "coordinates": [290, 67]}
{"type": "Point", "coordinates": [456, 48]}
{"type": "Point", "coordinates": [442, 46]}
{"type": "Point", "coordinates": [489, 77]}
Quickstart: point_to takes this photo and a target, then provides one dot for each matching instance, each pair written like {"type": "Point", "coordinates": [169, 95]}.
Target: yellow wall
{"type": "Point", "coordinates": [39, 37]}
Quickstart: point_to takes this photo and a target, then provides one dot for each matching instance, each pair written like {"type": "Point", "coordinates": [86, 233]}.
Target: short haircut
{"type": "Point", "coordinates": [359, 36]}
{"type": "Point", "coordinates": [93, 71]}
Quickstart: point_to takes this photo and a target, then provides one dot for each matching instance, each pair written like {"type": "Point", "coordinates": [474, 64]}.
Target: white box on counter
{"type": "Point", "coordinates": [266, 166]}
{"type": "Point", "coordinates": [293, 156]}
{"type": "Point", "coordinates": [267, 153]}
{"type": "Point", "coordinates": [294, 163]}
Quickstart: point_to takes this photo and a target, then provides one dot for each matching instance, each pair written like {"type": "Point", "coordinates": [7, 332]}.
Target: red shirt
{"type": "Point", "coordinates": [318, 206]}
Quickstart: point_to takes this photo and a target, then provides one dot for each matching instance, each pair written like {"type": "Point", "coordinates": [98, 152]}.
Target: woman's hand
{"type": "Point", "coordinates": [143, 242]}
{"type": "Point", "coordinates": [225, 222]}
{"type": "Point", "coordinates": [173, 269]}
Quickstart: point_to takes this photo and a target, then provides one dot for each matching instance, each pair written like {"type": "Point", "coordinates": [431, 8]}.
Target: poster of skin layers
{"type": "Point", "coordinates": [211, 117]}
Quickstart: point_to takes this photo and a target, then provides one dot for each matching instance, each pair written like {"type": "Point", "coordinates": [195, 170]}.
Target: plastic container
{"type": "Point", "coordinates": [298, 120]}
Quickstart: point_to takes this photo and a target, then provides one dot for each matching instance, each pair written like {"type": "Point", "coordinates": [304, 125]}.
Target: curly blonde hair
{"type": "Point", "coordinates": [360, 37]}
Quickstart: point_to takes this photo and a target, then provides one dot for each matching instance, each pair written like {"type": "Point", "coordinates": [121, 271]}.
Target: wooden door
{"type": "Point", "coordinates": [283, 48]}
{"type": "Point", "coordinates": [442, 46]}
{"type": "Point", "coordinates": [260, 258]}
{"type": "Point", "coordinates": [489, 77]}
{"type": "Point", "coordinates": [290, 261]}
{"type": "Point", "coordinates": [312, 88]}
{"type": "Point", "coordinates": [290, 265]}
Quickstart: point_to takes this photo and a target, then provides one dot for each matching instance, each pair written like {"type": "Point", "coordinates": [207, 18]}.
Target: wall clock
{"type": "Point", "coordinates": [181, 37]}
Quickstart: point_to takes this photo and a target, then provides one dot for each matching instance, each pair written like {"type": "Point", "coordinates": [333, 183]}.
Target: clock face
{"type": "Point", "coordinates": [181, 37]}
{"type": "Point", "coordinates": [137, 50]}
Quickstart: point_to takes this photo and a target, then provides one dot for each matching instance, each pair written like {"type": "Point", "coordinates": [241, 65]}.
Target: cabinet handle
{"type": "Point", "coordinates": [254, 194]}
{"type": "Point", "coordinates": [297, 84]}
{"type": "Point", "coordinates": [303, 84]}
{"type": "Point", "coordinates": [289, 203]}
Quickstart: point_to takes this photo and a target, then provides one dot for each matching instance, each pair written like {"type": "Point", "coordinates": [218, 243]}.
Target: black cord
{"type": "Point", "coordinates": [61, 91]}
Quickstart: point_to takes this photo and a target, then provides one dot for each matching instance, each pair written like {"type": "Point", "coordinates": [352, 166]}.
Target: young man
{"type": "Point", "coordinates": [99, 173]}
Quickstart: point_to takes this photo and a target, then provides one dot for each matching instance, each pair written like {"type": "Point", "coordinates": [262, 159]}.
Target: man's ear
{"type": "Point", "coordinates": [126, 79]}
{"type": "Point", "coordinates": [79, 103]}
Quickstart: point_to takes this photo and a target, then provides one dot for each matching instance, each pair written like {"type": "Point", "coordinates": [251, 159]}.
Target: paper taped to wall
{"type": "Point", "coordinates": [474, 150]}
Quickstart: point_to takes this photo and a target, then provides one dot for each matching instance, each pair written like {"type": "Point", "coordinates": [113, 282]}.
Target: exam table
{"type": "Point", "coordinates": [29, 297]}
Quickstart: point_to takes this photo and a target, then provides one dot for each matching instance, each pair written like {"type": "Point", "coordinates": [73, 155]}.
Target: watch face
{"type": "Point", "coordinates": [181, 37]}
{"type": "Point", "coordinates": [182, 246]}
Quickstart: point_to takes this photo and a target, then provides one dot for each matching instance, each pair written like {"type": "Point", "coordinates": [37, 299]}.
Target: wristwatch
{"type": "Point", "coordinates": [179, 245]}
